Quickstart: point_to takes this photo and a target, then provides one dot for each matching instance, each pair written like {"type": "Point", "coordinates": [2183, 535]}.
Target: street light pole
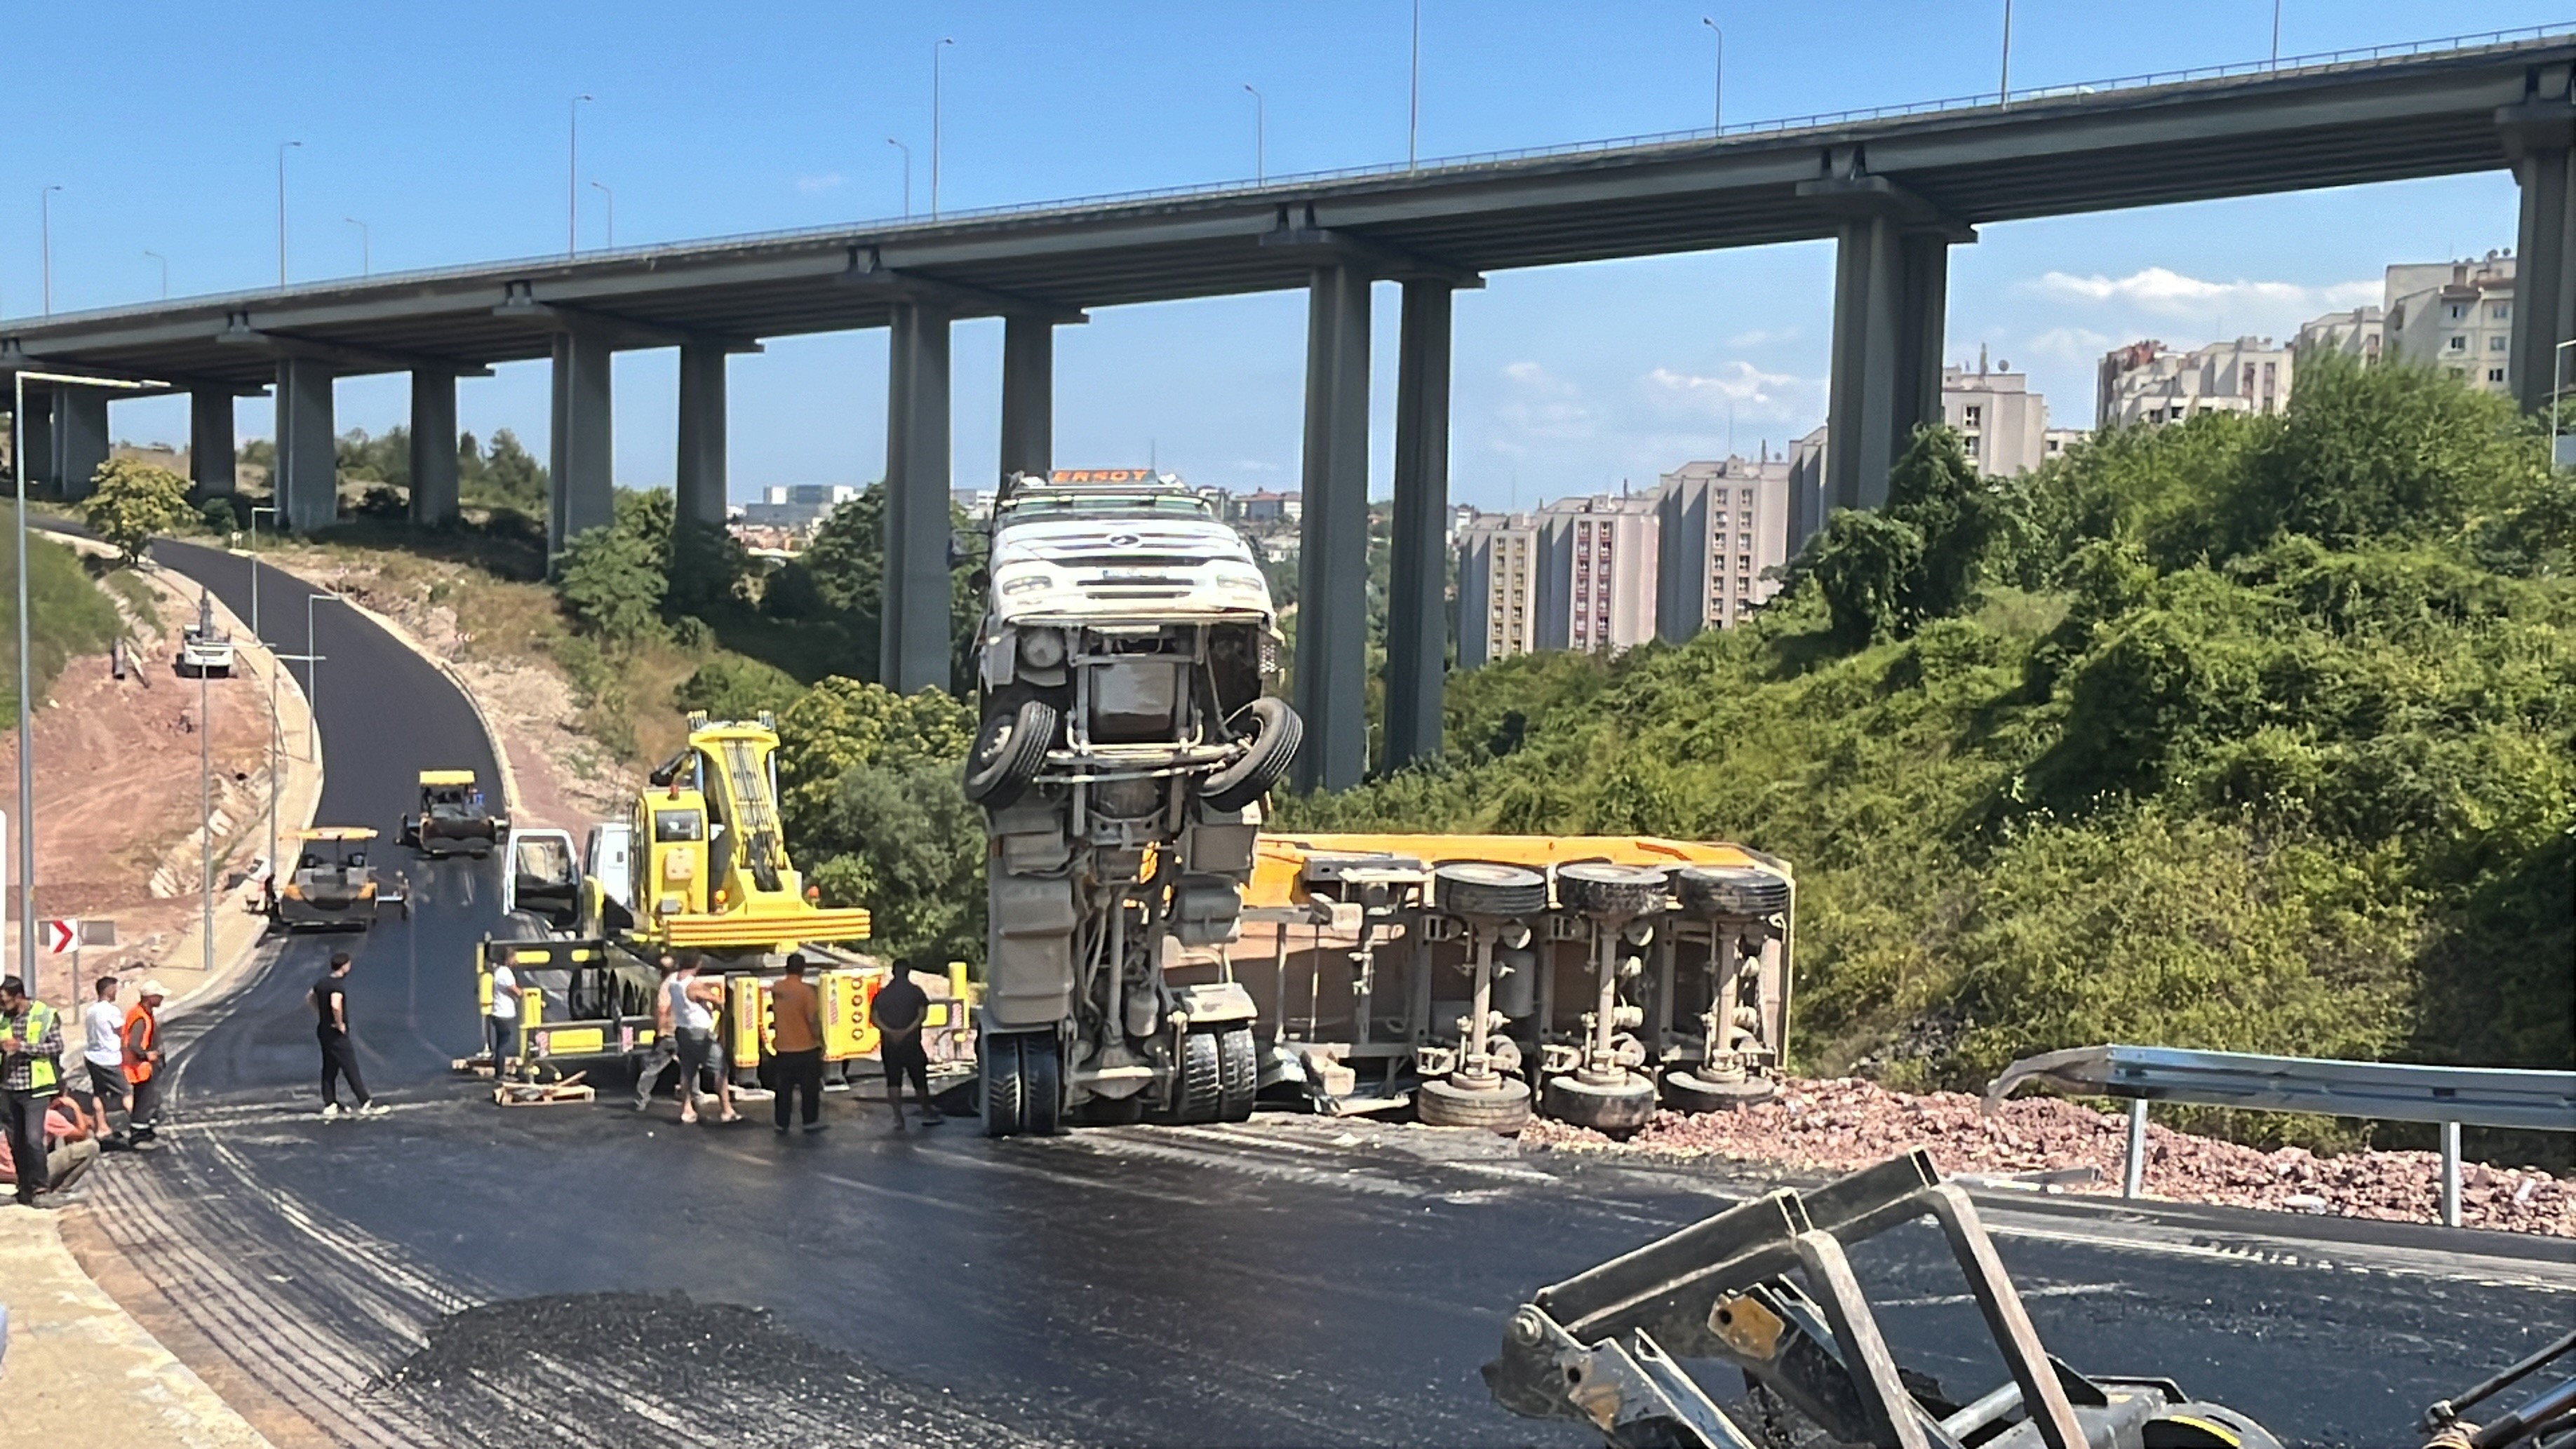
{"type": "Point", "coordinates": [366, 247]}
{"type": "Point", "coordinates": [934, 125]}
{"type": "Point", "coordinates": [45, 205]}
{"type": "Point", "coordinates": [282, 149]}
{"type": "Point", "coordinates": [312, 680]}
{"type": "Point", "coordinates": [907, 175]}
{"type": "Point", "coordinates": [603, 190]}
{"type": "Point", "coordinates": [572, 177]}
{"type": "Point", "coordinates": [26, 673]}
{"type": "Point", "coordinates": [1260, 136]}
{"type": "Point", "coordinates": [2003, 88]}
{"type": "Point", "coordinates": [1717, 105]}
{"type": "Point", "coordinates": [1413, 113]}
{"type": "Point", "coordinates": [165, 273]}
{"type": "Point", "coordinates": [2276, 32]}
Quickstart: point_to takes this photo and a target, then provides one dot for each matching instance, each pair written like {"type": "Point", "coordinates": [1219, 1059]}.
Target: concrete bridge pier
{"type": "Point", "coordinates": [582, 462]}
{"type": "Point", "coordinates": [210, 441]}
{"type": "Point", "coordinates": [306, 475]}
{"type": "Point", "coordinates": [2540, 139]}
{"type": "Point", "coordinates": [1891, 297]}
{"type": "Point", "coordinates": [1332, 555]}
{"type": "Point", "coordinates": [913, 637]}
{"type": "Point", "coordinates": [699, 487]}
{"type": "Point", "coordinates": [1028, 395]}
{"type": "Point", "coordinates": [1417, 613]}
{"type": "Point", "coordinates": [433, 447]}
{"type": "Point", "coordinates": [79, 438]}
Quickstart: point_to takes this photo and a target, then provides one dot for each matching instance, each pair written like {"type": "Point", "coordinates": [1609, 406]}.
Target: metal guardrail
{"type": "Point", "coordinates": [2284, 66]}
{"type": "Point", "coordinates": [2536, 1101]}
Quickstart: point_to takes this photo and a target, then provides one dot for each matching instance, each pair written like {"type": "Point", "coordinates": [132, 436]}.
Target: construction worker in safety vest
{"type": "Point", "coordinates": [31, 1045]}
{"type": "Point", "coordinates": [142, 1038]}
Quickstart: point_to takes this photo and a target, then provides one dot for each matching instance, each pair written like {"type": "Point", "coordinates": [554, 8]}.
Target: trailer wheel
{"type": "Point", "coordinates": [1482, 888]}
{"type": "Point", "coordinates": [1613, 1111]}
{"type": "Point", "coordinates": [1504, 1109]}
{"type": "Point", "coordinates": [1686, 1092]}
{"type": "Point", "coordinates": [1009, 751]}
{"type": "Point", "coordinates": [1276, 733]}
{"type": "Point", "coordinates": [1598, 889]}
{"type": "Point", "coordinates": [997, 1060]}
{"type": "Point", "coordinates": [1198, 1096]}
{"type": "Point", "coordinates": [1238, 1074]}
{"type": "Point", "coordinates": [1041, 1085]}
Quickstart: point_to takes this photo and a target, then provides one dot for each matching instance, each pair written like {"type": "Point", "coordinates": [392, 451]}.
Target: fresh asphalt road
{"type": "Point", "coordinates": [451, 1273]}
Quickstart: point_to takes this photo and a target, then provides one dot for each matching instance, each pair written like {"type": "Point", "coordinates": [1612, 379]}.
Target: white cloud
{"type": "Point", "coordinates": [1758, 336]}
{"type": "Point", "coordinates": [2170, 293]}
{"type": "Point", "coordinates": [817, 185]}
{"type": "Point", "coordinates": [1755, 395]}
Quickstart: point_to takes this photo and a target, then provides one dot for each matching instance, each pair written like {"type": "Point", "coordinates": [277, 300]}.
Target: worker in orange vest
{"type": "Point", "coordinates": [143, 1061]}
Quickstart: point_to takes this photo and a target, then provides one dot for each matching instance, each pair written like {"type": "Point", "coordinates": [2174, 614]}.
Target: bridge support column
{"type": "Point", "coordinates": [1891, 289]}
{"type": "Point", "coordinates": [1332, 552]}
{"type": "Point", "coordinates": [700, 481]}
{"type": "Point", "coordinates": [583, 462]}
{"type": "Point", "coordinates": [1028, 396]}
{"type": "Point", "coordinates": [1417, 606]}
{"type": "Point", "coordinates": [2540, 137]}
{"type": "Point", "coordinates": [913, 638]}
{"type": "Point", "coordinates": [305, 479]}
{"type": "Point", "coordinates": [80, 439]}
{"type": "Point", "coordinates": [433, 448]}
{"type": "Point", "coordinates": [210, 441]}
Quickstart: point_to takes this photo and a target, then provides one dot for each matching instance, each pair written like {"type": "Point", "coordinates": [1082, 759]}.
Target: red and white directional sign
{"type": "Point", "coordinates": [61, 936]}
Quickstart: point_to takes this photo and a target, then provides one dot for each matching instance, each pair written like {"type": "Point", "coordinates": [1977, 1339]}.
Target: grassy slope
{"type": "Point", "coordinates": [68, 613]}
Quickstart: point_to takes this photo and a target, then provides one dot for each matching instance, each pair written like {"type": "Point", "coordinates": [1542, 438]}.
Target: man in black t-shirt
{"type": "Point", "coordinates": [898, 1009]}
{"type": "Point", "coordinates": [330, 998]}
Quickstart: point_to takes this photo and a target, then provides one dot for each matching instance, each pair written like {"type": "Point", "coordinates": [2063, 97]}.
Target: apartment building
{"type": "Point", "coordinates": [1498, 564]}
{"type": "Point", "coordinates": [1596, 586]}
{"type": "Point", "coordinates": [1808, 506]}
{"type": "Point", "coordinates": [2454, 315]}
{"type": "Point", "coordinates": [2150, 383]}
{"type": "Point", "coordinates": [2001, 423]}
{"type": "Point", "coordinates": [2357, 333]}
{"type": "Point", "coordinates": [1720, 526]}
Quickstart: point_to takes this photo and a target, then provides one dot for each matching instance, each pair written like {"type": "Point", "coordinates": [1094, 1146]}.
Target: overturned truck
{"type": "Point", "coordinates": [1126, 738]}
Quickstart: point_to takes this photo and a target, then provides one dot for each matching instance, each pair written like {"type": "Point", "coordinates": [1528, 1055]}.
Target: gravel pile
{"type": "Point", "coordinates": [1841, 1125]}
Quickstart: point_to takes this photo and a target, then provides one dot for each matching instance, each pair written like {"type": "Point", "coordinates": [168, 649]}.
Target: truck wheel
{"type": "Point", "coordinates": [1238, 1074]}
{"type": "Point", "coordinates": [1199, 1094]}
{"type": "Point", "coordinates": [1504, 1109]}
{"type": "Point", "coordinates": [1481, 888]}
{"type": "Point", "coordinates": [997, 1060]}
{"type": "Point", "coordinates": [1009, 751]}
{"type": "Point", "coordinates": [1041, 1086]}
{"type": "Point", "coordinates": [1615, 1110]}
{"type": "Point", "coordinates": [1276, 733]}
{"type": "Point", "coordinates": [1686, 1092]}
{"type": "Point", "coordinates": [1596, 889]}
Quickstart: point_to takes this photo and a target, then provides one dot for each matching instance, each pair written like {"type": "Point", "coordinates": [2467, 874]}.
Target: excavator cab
{"type": "Point", "coordinates": [715, 873]}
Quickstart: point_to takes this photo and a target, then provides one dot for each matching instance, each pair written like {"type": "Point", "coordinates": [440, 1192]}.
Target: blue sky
{"type": "Point", "coordinates": [445, 132]}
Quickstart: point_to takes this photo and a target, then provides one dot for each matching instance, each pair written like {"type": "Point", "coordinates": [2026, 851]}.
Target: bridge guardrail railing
{"type": "Point", "coordinates": [2450, 1097]}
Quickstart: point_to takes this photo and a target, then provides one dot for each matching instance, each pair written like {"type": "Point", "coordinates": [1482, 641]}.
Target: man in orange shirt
{"type": "Point", "coordinates": [796, 1044]}
{"type": "Point", "coordinates": [143, 1062]}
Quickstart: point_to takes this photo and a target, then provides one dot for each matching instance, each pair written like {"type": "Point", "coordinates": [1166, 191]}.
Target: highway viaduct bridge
{"type": "Point", "coordinates": [1896, 189]}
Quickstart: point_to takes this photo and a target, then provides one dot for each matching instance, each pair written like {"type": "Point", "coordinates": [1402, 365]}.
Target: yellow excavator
{"type": "Point", "coordinates": [708, 862]}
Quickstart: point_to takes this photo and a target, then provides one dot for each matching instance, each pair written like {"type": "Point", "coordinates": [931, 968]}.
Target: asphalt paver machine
{"type": "Point", "coordinates": [1767, 1289]}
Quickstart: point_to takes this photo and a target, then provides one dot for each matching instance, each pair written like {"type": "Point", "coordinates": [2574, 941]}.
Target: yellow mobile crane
{"type": "Point", "coordinates": [715, 875]}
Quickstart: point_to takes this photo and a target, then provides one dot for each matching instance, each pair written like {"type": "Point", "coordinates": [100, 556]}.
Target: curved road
{"type": "Point", "coordinates": [458, 1274]}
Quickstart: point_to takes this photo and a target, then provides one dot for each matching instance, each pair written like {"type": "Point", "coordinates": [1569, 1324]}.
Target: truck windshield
{"type": "Point", "coordinates": [1108, 505]}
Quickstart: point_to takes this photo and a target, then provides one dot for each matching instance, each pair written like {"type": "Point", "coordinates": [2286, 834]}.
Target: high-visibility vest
{"type": "Point", "coordinates": [138, 1060]}
{"type": "Point", "coordinates": [42, 1073]}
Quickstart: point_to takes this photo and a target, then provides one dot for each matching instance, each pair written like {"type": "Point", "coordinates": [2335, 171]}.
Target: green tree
{"type": "Point", "coordinates": [612, 578]}
{"type": "Point", "coordinates": [914, 856]}
{"type": "Point", "coordinates": [130, 501]}
{"type": "Point", "coordinates": [730, 686]}
{"type": "Point", "coordinates": [841, 724]}
{"type": "Point", "coordinates": [512, 476]}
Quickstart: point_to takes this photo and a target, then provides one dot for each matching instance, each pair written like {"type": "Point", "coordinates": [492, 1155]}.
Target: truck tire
{"type": "Point", "coordinates": [1731, 890]}
{"type": "Point", "coordinates": [1505, 1109]}
{"type": "Point", "coordinates": [1238, 1074]}
{"type": "Point", "coordinates": [1041, 1085]}
{"type": "Point", "coordinates": [1198, 1092]}
{"type": "Point", "coordinates": [1009, 751]}
{"type": "Point", "coordinates": [1276, 734]}
{"type": "Point", "coordinates": [1594, 888]}
{"type": "Point", "coordinates": [1686, 1092]}
{"type": "Point", "coordinates": [1615, 1110]}
{"type": "Point", "coordinates": [1481, 888]}
{"type": "Point", "coordinates": [997, 1060]}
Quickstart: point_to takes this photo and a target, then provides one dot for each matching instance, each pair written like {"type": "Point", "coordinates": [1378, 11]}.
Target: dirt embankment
{"type": "Point", "coordinates": [117, 789]}
{"type": "Point", "coordinates": [1842, 1125]}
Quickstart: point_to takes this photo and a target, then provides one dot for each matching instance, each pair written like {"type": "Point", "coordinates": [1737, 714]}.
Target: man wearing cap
{"type": "Point", "coordinates": [142, 1040]}
{"type": "Point", "coordinates": [31, 1042]}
